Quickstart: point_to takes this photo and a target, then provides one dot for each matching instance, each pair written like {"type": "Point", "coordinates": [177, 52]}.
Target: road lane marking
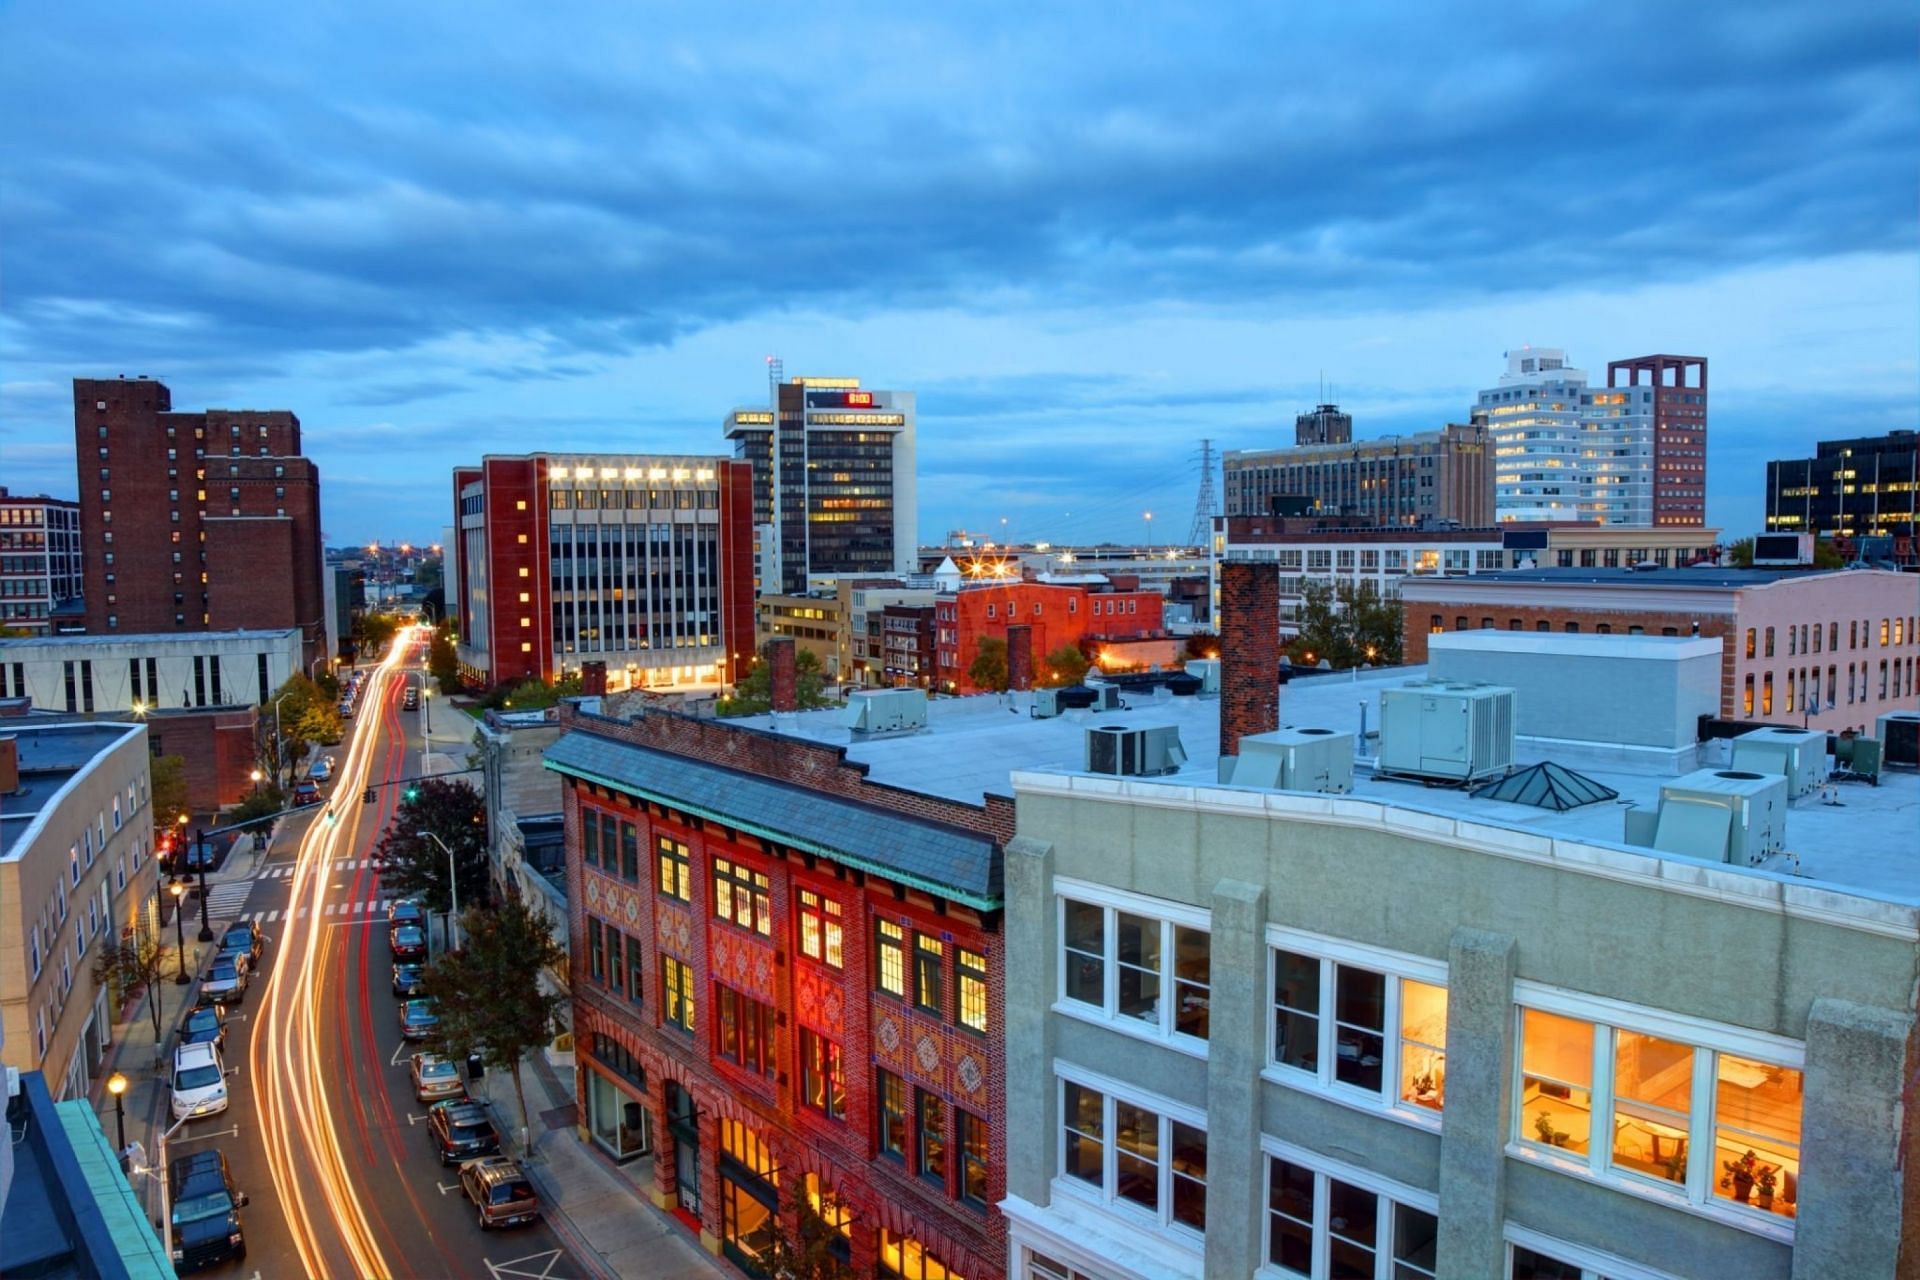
{"type": "Point", "coordinates": [515, 1266]}
{"type": "Point", "coordinates": [444, 1188]}
{"type": "Point", "coordinates": [394, 1061]}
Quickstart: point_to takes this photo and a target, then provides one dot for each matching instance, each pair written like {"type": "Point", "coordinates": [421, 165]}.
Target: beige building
{"type": "Point", "coordinates": [816, 623]}
{"type": "Point", "coordinates": [76, 873]}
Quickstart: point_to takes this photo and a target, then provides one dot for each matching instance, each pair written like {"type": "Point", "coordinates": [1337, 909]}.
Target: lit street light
{"type": "Point", "coordinates": [117, 1086]}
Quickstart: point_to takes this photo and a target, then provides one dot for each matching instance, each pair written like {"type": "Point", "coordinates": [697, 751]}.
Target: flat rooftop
{"type": "Point", "coordinates": [1725, 579]}
{"type": "Point", "coordinates": [51, 756]}
{"type": "Point", "coordinates": [1868, 844]}
{"type": "Point", "coordinates": [149, 638]}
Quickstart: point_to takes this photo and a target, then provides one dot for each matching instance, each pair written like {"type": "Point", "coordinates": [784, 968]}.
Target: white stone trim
{"type": "Point", "coordinates": [1703, 1033]}
{"type": "Point", "coordinates": [1579, 1255]}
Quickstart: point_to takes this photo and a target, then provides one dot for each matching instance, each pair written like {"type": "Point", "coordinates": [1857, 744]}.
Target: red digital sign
{"type": "Point", "coordinates": [859, 399]}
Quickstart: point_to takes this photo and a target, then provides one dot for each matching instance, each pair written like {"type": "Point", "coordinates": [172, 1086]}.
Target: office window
{"type": "Point", "coordinates": [675, 874]}
{"type": "Point", "coordinates": [970, 970]}
{"type": "Point", "coordinates": [616, 959]}
{"type": "Point", "coordinates": [596, 963]}
{"type": "Point", "coordinates": [629, 852]}
{"type": "Point", "coordinates": [890, 958]}
{"type": "Point", "coordinates": [1120, 965]}
{"type": "Point", "coordinates": [1752, 636]}
{"type": "Point", "coordinates": [823, 1080]}
{"type": "Point", "coordinates": [742, 895]}
{"type": "Point", "coordinates": [635, 987]}
{"type": "Point", "coordinates": [1769, 642]}
{"type": "Point", "coordinates": [970, 1133]}
{"type": "Point", "coordinates": [677, 994]}
{"type": "Point", "coordinates": [890, 1099]}
{"type": "Point", "coordinates": [1319, 1226]}
{"type": "Point", "coordinates": [1348, 1028]}
{"type": "Point", "coordinates": [743, 1030]}
{"type": "Point", "coordinates": [590, 837]}
{"type": "Point", "coordinates": [908, 1259]}
{"type": "Point", "coordinates": [1130, 1151]}
{"type": "Point", "coordinates": [930, 1138]}
{"type": "Point", "coordinates": [929, 974]}
{"type": "Point", "coordinates": [821, 934]}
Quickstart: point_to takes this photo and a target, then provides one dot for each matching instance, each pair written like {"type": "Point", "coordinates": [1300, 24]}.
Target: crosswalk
{"type": "Point", "coordinates": [284, 870]}
{"type": "Point", "coordinates": [342, 910]}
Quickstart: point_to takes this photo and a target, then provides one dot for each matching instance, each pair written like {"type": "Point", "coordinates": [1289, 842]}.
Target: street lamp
{"type": "Point", "coordinates": [453, 888]}
{"type": "Point", "coordinates": [256, 775]}
{"type": "Point", "coordinates": [117, 1086]}
{"type": "Point", "coordinates": [179, 891]}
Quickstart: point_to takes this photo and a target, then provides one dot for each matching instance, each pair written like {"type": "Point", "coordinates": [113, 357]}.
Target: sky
{"type": "Point", "coordinates": [1089, 236]}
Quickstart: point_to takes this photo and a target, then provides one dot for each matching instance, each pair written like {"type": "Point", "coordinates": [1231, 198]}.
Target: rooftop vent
{"type": "Point", "coordinates": [1447, 730]}
{"type": "Point", "coordinates": [886, 711]}
{"type": "Point", "coordinates": [1125, 751]}
{"type": "Point", "coordinates": [1798, 755]}
{"type": "Point", "coordinates": [1296, 760]}
{"type": "Point", "coordinates": [1731, 816]}
{"type": "Point", "coordinates": [1546, 786]}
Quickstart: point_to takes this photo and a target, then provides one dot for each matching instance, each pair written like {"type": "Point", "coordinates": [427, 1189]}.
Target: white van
{"type": "Point", "coordinates": [199, 1082]}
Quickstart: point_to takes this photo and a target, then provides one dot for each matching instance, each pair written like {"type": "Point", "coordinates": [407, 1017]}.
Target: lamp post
{"type": "Point", "coordinates": [200, 842]}
{"type": "Point", "coordinates": [179, 890]}
{"type": "Point", "coordinates": [117, 1086]}
{"type": "Point", "coordinates": [256, 775]}
{"type": "Point", "coordinates": [453, 887]}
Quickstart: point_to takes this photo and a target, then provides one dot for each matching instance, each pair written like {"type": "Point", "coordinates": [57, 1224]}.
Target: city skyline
{"type": "Point", "coordinates": [1080, 263]}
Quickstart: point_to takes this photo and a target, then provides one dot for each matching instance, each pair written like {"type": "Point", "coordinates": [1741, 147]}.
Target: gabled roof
{"type": "Point", "coordinates": [1546, 786]}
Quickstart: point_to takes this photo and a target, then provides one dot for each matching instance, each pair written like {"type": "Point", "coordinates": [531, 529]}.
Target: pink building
{"type": "Point", "coordinates": [1832, 650]}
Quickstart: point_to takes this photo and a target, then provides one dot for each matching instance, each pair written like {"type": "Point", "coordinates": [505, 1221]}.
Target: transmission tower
{"type": "Point", "coordinates": [1204, 507]}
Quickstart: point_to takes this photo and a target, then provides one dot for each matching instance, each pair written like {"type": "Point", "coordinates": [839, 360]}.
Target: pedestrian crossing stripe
{"type": "Point", "coordinates": [286, 871]}
{"type": "Point", "coordinates": [369, 906]}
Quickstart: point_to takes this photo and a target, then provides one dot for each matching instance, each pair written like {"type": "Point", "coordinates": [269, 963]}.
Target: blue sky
{"type": "Point", "coordinates": [1087, 235]}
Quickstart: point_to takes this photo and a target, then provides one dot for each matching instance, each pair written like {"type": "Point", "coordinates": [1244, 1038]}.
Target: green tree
{"type": "Point", "coordinates": [753, 696]}
{"type": "Point", "coordinates": [417, 867]}
{"type": "Point", "coordinates": [167, 783]}
{"type": "Point", "coordinates": [305, 717]}
{"type": "Point", "coordinates": [1346, 626]}
{"type": "Point", "coordinates": [988, 670]}
{"type": "Point", "coordinates": [1065, 665]}
{"type": "Point", "coordinates": [130, 965]}
{"type": "Point", "coordinates": [258, 804]}
{"type": "Point", "coordinates": [443, 663]}
{"type": "Point", "coordinates": [488, 993]}
{"type": "Point", "coordinates": [1739, 553]}
{"type": "Point", "coordinates": [371, 632]}
{"type": "Point", "coordinates": [1201, 644]}
{"type": "Point", "coordinates": [801, 1246]}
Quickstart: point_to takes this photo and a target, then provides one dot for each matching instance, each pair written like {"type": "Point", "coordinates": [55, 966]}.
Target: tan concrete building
{"type": "Point", "coordinates": [815, 623]}
{"type": "Point", "coordinates": [76, 874]}
{"type": "Point", "coordinates": [1434, 477]}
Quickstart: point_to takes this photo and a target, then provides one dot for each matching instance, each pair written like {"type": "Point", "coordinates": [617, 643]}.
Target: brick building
{"type": "Point", "coordinates": [1433, 477]}
{"type": "Point", "coordinates": [907, 648]}
{"type": "Point", "coordinates": [1055, 613]}
{"type": "Point", "coordinates": [203, 521]}
{"type": "Point", "coordinates": [786, 977]}
{"type": "Point", "coordinates": [40, 563]}
{"type": "Point", "coordinates": [1834, 650]}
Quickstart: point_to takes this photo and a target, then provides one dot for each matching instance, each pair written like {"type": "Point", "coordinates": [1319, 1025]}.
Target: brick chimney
{"type": "Point", "coordinates": [593, 678]}
{"type": "Point", "coordinates": [783, 678]}
{"type": "Point", "coordinates": [1249, 654]}
{"type": "Point", "coordinates": [9, 765]}
{"type": "Point", "coordinates": [1020, 657]}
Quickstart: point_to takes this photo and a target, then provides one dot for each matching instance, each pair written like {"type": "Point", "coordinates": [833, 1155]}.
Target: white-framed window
{"type": "Point", "coordinates": [1532, 1255]}
{"type": "Point", "coordinates": [116, 813]}
{"type": "Point", "coordinates": [1327, 1221]}
{"type": "Point", "coordinates": [73, 862]}
{"type": "Point", "coordinates": [1672, 1109]}
{"type": "Point", "coordinates": [1141, 1154]}
{"type": "Point", "coordinates": [33, 949]}
{"type": "Point", "coordinates": [1364, 1025]}
{"type": "Point", "coordinates": [1139, 964]}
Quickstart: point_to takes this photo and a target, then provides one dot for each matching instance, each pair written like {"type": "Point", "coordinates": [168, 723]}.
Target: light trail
{"type": "Point", "coordinates": [290, 1058]}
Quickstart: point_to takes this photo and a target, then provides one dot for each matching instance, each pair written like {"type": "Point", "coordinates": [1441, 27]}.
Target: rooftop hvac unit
{"type": "Point", "coordinates": [1208, 669]}
{"type": "Point", "coordinates": [1798, 755]}
{"type": "Point", "coordinates": [1296, 760]}
{"type": "Point", "coordinates": [1106, 697]}
{"type": "Point", "coordinates": [1452, 730]}
{"type": "Point", "coordinates": [1900, 732]}
{"type": "Point", "coordinates": [1046, 704]}
{"type": "Point", "coordinates": [887, 711]}
{"type": "Point", "coordinates": [1134, 753]}
{"type": "Point", "coordinates": [1734, 816]}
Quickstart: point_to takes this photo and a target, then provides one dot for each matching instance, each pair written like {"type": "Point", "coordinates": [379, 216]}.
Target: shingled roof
{"type": "Point", "coordinates": [943, 860]}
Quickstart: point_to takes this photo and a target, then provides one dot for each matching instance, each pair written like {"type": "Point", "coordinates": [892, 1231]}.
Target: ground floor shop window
{"type": "Point", "coordinates": [684, 1124]}
{"type": "Point", "coordinates": [907, 1258]}
{"type": "Point", "coordinates": [746, 1223]}
{"type": "Point", "coordinates": [617, 1121]}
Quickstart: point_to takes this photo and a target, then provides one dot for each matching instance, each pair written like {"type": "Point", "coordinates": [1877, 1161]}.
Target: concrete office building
{"type": "Point", "coordinates": [835, 488]}
{"type": "Point", "coordinates": [1431, 478]}
{"type": "Point", "coordinates": [1849, 490]}
{"type": "Point", "coordinates": [203, 521]}
{"type": "Point", "coordinates": [640, 562]}
{"type": "Point", "coordinates": [1324, 424]}
{"type": "Point", "coordinates": [76, 873]}
{"type": "Point", "coordinates": [40, 564]}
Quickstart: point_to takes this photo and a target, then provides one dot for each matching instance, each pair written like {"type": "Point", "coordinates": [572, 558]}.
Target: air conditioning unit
{"type": "Point", "coordinates": [1900, 732]}
{"type": "Point", "coordinates": [1129, 752]}
{"type": "Point", "coordinates": [1208, 669]}
{"type": "Point", "coordinates": [1106, 697]}
{"type": "Point", "coordinates": [1046, 704]}
{"type": "Point", "coordinates": [1733, 816]}
{"type": "Point", "coordinates": [1296, 760]}
{"type": "Point", "coordinates": [1798, 755]}
{"type": "Point", "coordinates": [1452, 730]}
{"type": "Point", "coordinates": [886, 711]}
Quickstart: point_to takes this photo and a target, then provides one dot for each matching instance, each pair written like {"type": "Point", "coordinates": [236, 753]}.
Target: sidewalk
{"type": "Point", "coordinates": [598, 1208]}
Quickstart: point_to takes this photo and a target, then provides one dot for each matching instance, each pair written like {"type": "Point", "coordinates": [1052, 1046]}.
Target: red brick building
{"type": "Point", "coordinates": [643, 563]}
{"type": "Point", "coordinates": [1056, 613]}
{"type": "Point", "coordinates": [787, 979]}
{"type": "Point", "coordinates": [195, 521]}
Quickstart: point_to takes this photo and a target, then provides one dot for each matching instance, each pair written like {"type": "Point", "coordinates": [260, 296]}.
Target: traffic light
{"type": "Point", "coordinates": [412, 792]}
{"type": "Point", "coordinates": [367, 797]}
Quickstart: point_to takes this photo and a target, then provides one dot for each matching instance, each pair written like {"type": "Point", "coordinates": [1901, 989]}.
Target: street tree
{"type": "Point", "coordinates": [167, 781]}
{"type": "Point", "coordinates": [1065, 665]}
{"type": "Point", "coordinates": [128, 966]}
{"type": "Point", "coordinates": [1345, 626]}
{"type": "Point", "coordinates": [988, 670]}
{"type": "Point", "coordinates": [304, 717]}
{"type": "Point", "coordinates": [414, 865]}
{"type": "Point", "coordinates": [488, 994]}
{"type": "Point", "coordinates": [801, 1246]}
{"type": "Point", "coordinates": [443, 662]}
{"type": "Point", "coordinates": [371, 632]}
{"type": "Point", "coordinates": [753, 695]}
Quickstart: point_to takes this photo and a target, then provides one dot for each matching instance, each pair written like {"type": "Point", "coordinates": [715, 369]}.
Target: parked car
{"type": "Point", "coordinates": [417, 1019]}
{"type": "Point", "coordinates": [205, 1025]}
{"type": "Point", "coordinates": [213, 852]}
{"type": "Point", "coordinates": [408, 942]}
{"type": "Point", "coordinates": [407, 911]}
{"type": "Point", "coordinates": [305, 792]}
{"type": "Point", "coordinates": [226, 980]}
{"type": "Point", "coordinates": [498, 1187]}
{"type": "Point", "coordinates": [407, 979]}
{"type": "Point", "coordinates": [460, 1130]}
{"type": "Point", "coordinates": [410, 700]}
{"type": "Point", "coordinates": [199, 1082]}
{"type": "Point", "coordinates": [322, 769]}
{"type": "Point", "coordinates": [206, 1211]}
{"type": "Point", "coordinates": [245, 935]}
{"type": "Point", "coordinates": [346, 708]}
{"type": "Point", "coordinates": [435, 1077]}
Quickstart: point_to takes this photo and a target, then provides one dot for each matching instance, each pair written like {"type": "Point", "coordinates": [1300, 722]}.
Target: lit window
{"type": "Point", "coordinates": [890, 958]}
{"type": "Point", "coordinates": [929, 974]}
{"type": "Point", "coordinates": [743, 1030]}
{"type": "Point", "coordinates": [1331, 1025]}
{"type": "Point", "coordinates": [676, 993]}
{"type": "Point", "coordinates": [821, 936]}
{"type": "Point", "coordinates": [970, 969]}
{"type": "Point", "coordinates": [742, 895]}
{"type": "Point", "coordinates": [823, 1081]}
{"type": "Point", "coordinates": [908, 1259]}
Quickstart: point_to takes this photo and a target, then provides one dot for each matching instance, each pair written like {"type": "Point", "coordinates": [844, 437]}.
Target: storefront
{"type": "Point", "coordinates": [616, 1118]}
{"type": "Point", "coordinates": [684, 1124]}
{"type": "Point", "coordinates": [749, 1198]}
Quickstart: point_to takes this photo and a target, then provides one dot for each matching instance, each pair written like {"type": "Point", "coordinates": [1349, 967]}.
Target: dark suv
{"type": "Point", "coordinates": [206, 1212]}
{"type": "Point", "coordinates": [460, 1130]}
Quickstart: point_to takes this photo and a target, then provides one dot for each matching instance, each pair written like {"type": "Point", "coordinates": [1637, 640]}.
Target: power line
{"type": "Point", "coordinates": [1204, 507]}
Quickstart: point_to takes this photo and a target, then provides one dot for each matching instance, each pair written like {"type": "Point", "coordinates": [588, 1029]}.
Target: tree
{"type": "Point", "coordinates": [801, 1245]}
{"type": "Point", "coordinates": [988, 670]}
{"type": "Point", "coordinates": [1065, 665]}
{"type": "Point", "coordinates": [167, 783]}
{"type": "Point", "coordinates": [754, 695]}
{"type": "Point", "coordinates": [488, 993]}
{"type": "Point", "coordinates": [1346, 625]}
{"type": "Point", "coordinates": [129, 965]}
{"type": "Point", "coordinates": [1739, 553]}
{"type": "Point", "coordinates": [304, 716]}
{"type": "Point", "coordinates": [371, 632]}
{"type": "Point", "coordinates": [443, 663]}
{"type": "Point", "coordinates": [417, 867]}
{"type": "Point", "coordinates": [1201, 644]}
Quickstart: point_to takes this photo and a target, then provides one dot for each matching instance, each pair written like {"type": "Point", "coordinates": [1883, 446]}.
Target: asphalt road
{"type": "Point", "coordinates": [382, 1205]}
